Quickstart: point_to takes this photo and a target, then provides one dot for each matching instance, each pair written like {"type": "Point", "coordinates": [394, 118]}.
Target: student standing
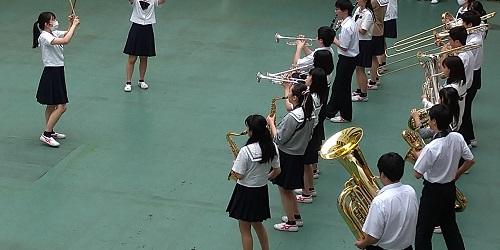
{"type": "Point", "coordinates": [52, 86]}
{"type": "Point", "coordinates": [141, 40]}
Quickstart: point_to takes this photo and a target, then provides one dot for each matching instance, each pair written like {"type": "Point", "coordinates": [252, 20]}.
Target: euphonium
{"type": "Point", "coordinates": [416, 142]}
{"type": "Point", "coordinates": [234, 149]}
{"type": "Point", "coordinates": [354, 201]}
{"type": "Point", "coordinates": [423, 115]}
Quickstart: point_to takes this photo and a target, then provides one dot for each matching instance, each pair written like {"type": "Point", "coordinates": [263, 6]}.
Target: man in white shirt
{"type": "Point", "coordinates": [472, 19]}
{"type": "Point", "coordinates": [438, 164]}
{"type": "Point", "coordinates": [391, 220]}
{"type": "Point", "coordinates": [347, 43]}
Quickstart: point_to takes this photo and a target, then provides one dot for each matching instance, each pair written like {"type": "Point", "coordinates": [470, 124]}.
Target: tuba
{"type": "Point", "coordinates": [354, 201]}
{"type": "Point", "coordinates": [416, 142]}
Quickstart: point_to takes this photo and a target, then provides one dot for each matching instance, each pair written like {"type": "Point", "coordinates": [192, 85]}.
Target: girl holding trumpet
{"type": "Point", "coordinates": [52, 86]}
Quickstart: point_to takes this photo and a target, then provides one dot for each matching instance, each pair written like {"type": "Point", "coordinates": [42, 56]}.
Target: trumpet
{"type": "Point", "coordinates": [277, 79]}
{"type": "Point", "coordinates": [278, 37]}
{"type": "Point", "coordinates": [288, 71]}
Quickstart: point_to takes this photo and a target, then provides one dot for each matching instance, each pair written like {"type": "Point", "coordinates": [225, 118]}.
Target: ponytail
{"type": "Point", "coordinates": [300, 90]}
{"type": "Point", "coordinates": [39, 25]}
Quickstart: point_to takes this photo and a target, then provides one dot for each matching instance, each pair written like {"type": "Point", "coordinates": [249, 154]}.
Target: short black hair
{"type": "Point", "coordinates": [457, 69]}
{"type": "Point", "coordinates": [471, 17]}
{"type": "Point", "coordinates": [459, 33]}
{"type": "Point", "coordinates": [326, 34]}
{"type": "Point", "coordinates": [344, 5]}
{"type": "Point", "coordinates": [392, 165]}
{"type": "Point", "coordinates": [441, 114]}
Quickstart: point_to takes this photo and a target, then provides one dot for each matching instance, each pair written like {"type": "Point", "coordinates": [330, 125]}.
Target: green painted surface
{"type": "Point", "coordinates": [146, 170]}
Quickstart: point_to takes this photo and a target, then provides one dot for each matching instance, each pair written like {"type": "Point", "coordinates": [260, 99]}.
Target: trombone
{"type": "Point", "coordinates": [277, 79]}
{"type": "Point", "coordinates": [409, 44]}
{"type": "Point", "coordinates": [425, 54]}
{"type": "Point", "coordinates": [278, 37]}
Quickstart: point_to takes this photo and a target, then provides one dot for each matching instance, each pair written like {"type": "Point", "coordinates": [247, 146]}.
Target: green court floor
{"type": "Point", "coordinates": [147, 169]}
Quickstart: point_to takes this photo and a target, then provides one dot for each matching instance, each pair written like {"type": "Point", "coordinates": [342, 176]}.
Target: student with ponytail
{"type": "Point", "coordinates": [249, 203]}
{"type": "Point", "coordinates": [292, 135]}
{"type": "Point", "coordinates": [52, 86]}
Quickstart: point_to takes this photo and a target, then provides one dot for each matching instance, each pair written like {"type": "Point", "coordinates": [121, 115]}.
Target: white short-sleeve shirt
{"type": "Point", "coordinates": [364, 20]}
{"type": "Point", "coordinates": [469, 63]}
{"type": "Point", "coordinates": [477, 38]}
{"type": "Point", "coordinates": [392, 10]}
{"type": "Point", "coordinates": [309, 59]}
{"type": "Point", "coordinates": [247, 164]}
{"type": "Point", "coordinates": [438, 160]}
{"type": "Point", "coordinates": [392, 216]}
{"type": "Point", "coordinates": [143, 16]}
{"type": "Point", "coordinates": [52, 54]}
{"type": "Point", "coordinates": [348, 38]}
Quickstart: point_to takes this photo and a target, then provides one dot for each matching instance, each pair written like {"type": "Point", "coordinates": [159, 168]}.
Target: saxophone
{"type": "Point", "coordinates": [354, 201]}
{"type": "Point", "coordinates": [234, 149]}
{"type": "Point", "coordinates": [229, 135]}
{"type": "Point", "coordinates": [272, 111]}
{"type": "Point", "coordinates": [416, 142]}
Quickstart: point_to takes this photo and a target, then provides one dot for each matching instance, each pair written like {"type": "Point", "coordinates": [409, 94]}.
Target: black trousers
{"type": "Point", "coordinates": [379, 248]}
{"type": "Point", "coordinates": [437, 208]}
{"type": "Point", "coordinates": [467, 128]}
{"type": "Point", "coordinates": [340, 99]}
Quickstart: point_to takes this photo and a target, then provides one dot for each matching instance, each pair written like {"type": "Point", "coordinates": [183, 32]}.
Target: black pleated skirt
{"type": "Point", "coordinates": [311, 155]}
{"type": "Point", "coordinates": [140, 41]}
{"type": "Point", "coordinates": [292, 171]}
{"type": "Point", "coordinates": [249, 204]}
{"type": "Point", "coordinates": [364, 58]}
{"type": "Point", "coordinates": [52, 87]}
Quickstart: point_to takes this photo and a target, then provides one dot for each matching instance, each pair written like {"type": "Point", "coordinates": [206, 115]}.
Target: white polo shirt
{"type": "Point", "coordinates": [477, 38]}
{"type": "Point", "coordinates": [247, 164]}
{"type": "Point", "coordinates": [392, 216]}
{"type": "Point", "coordinates": [348, 38]}
{"type": "Point", "coordinates": [469, 63]}
{"type": "Point", "coordinates": [438, 160]}
{"type": "Point", "coordinates": [364, 20]}
{"type": "Point", "coordinates": [392, 10]}
{"type": "Point", "coordinates": [309, 59]}
{"type": "Point", "coordinates": [146, 16]}
{"type": "Point", "coordinates": [52, 54]}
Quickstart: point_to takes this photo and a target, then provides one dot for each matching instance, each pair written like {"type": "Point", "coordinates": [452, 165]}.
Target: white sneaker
{"type": "Point", "coordinates": [143, 85]}
{"type": "Point", "coordinates": [359, 98]}
{"type": "Point", "coordinates": [434, 1]}
{"type": "Point", "coordinates": [300, 223]}
{"type": "Point", "coordinates": [304, 199]}
{"type": "Point", "coordinates": [56, 135]}
{"type": "Point", "coordinates": [355, 93]}
{"type": "Point", "coordinates": [473, 143]}
{"type": "Point", "coordinates": [299, 191]}
{"type": "Point", "coordinates": [127, 88]}
{"type": "Point", "coordinates": [372, 86]}
{"type": "Point", "coordinates": [285, 227]}
{"type": "Point", "coordinates": [315, 175]}
{"type": "Point", "coordinates": [437, 230]}
{"type": "Point", "coordinates": [338, 119]}
{"type": "Point", "coordinates": [49, 141]}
